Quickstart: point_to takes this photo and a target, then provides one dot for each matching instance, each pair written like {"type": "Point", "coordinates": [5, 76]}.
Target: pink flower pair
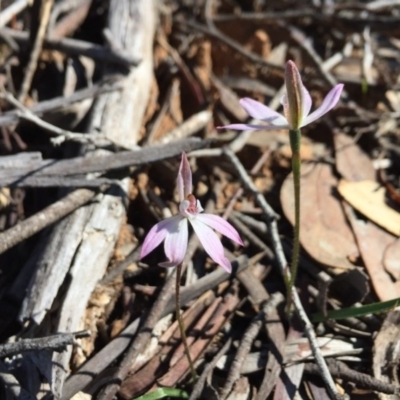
{"type": "Point", "coordinates": [174, 231]}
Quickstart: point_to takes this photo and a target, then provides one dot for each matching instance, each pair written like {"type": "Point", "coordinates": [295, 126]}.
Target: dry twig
{"type": "Point", "coordinates": [75, 47]}
{"type": "Point", "coordinates": [44, 218]}
{"type": "Point", "coordinates": [45, 9]}
{"type": "Point", "coordinates": [54, 343]}
{"type": "Point", "coordinates": [277, 246]}
{"type": "Point", "coordinates": [242, 352]}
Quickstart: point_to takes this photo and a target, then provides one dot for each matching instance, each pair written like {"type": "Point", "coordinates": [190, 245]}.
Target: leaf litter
{"type": "Point", "coordinates": [200, 61]}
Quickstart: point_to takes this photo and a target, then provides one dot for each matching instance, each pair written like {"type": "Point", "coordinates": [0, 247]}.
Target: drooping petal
{"type": "Point", "coordinates": [184, 180]}
{"type": "Point", "coordinates": [221, 226]}
{"type": "Point", "coordinates": [260, 111]}
{"type": "Point", "coordinates": [249, 127]}
{"type": "Point", "coordinates": [176, 242]}
{"type": "Point", "coordinates": [157, 234]}
{"type": "Point", "coordinates": [329, 102]}
{"type": "Point", "coordinates": [211, 243]}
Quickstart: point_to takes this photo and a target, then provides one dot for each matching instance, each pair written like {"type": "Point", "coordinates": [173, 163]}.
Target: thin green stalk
{"type": "Point", "coordinates": [295, 136]}
{"type": "Point", "coordinates": [296, 235]}
{"type": "Point", "coordinates": [180, 321]}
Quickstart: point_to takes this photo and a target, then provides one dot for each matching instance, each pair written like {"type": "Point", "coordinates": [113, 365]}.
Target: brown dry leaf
{"type": "Point", "coordinates": [306, 151]}
{"type": "Point", "coordinates": [259, 43]}
{"type": "Point", "coordinates": [351, 71]}
{"type": "Point", "coordinates": [372, 242]}
{"type": "Point", "coordinates": [368, 198]}
{"type": "Point", "coordinates": [5, 197]}
{"type": "Point", "coordinates": [271, 139]}
{"type": "Point", "coordinates": [229, 99]}
{"type": "Point", "coordinates": [204, 63]}
{"type": "Point", "coordinates": [324, 232]}
{"type": "Point", "coordinates": [351, 162]}
{"type": "Point", "coordinates": [391, 259]}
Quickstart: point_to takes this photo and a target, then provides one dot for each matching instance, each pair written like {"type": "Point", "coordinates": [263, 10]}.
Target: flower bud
{"type": "Point", "coordinates": [294, 101]}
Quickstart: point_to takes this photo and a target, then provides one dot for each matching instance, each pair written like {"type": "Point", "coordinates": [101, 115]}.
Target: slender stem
{"type": "Point", "coordinates": [296, 235]}
{"type": "Point", "coordinates": [295, 136]}
{"type": "Point", "coordinates": [180, 321]}
{"type": "Point", "coordinates": [270, 216]}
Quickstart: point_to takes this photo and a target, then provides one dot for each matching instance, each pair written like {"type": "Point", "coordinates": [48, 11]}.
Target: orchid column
{"type": "Point", "coordinates": [297, 105]}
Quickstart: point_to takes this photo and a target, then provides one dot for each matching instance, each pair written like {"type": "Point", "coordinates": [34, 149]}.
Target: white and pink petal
{"type": "Point", "coordinates": [157, 234]}
{"type": "Point", "coordinates": [211, 243]}
{"type": "Point", "coordinates": [260, 111]}
{"type": "Point", "coordinates": [330, 101]}
{"type": "Point", "coordinates": [221, 226]}
{"type": "Point", "coordinates": [176, 241]}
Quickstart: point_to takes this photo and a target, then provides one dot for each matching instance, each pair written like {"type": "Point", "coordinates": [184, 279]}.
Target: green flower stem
{"type": "Point", "coordinates": [295, 137]}
{"type": "Point", "coordinates": [180, 321]}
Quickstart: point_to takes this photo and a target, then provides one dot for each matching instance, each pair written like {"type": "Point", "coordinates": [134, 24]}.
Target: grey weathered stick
{"type": "Point", "coordinates": [101, 163]}
{"type": "Point", "coordinates": [62, 135]}
{"type": "Point", "coordinates": [11, 11]}
{"type": "Point", "coordinates": [55, 343]}
{"type": "Point", "coordinates": [44, 218]}
{"type": "Point", "coordinates": [82, 244]}
{"type": "Point", "coordinates": [189, 127]}
{"type": "Point", "coordinates": [242, 352]}
{"type": "Point", "coordinates": [362, 380]}
{"type": "Point", "coordinates": [25, 113]}
{"type": "Point", "coordinates": [141, 340]}
{"type": "Point", "coordinates": [82, 378]}
{"type": "Point", "coordinates": [281, 259]}
{"type": "Point", "coordinates": [45, 9]}
{"type": "Point", "coordinates": [276, 334]}
{"type": "Point", "coordinates": [75, 47]}
{"type": "Point", "coordinates": [217, 34]}
{"type": "Point", "coordinates": [198, 387]}
{"type": "Point", "coordinates": [105, 86]}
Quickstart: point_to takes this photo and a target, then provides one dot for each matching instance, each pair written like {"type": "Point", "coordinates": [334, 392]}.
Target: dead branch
{"type": "Point", "coordinates": [54, 343]}
{"type": "Point", "coordinates": [73, 167]}
{"type": "Point", "coordinates": [44, 218]}
{"type": "Point", "coordinates": [75, 47]}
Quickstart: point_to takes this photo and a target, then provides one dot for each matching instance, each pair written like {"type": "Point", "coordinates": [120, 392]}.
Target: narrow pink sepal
{"type": "Point", "coordinates": [211, 243]}
{"type": "Point", "coordinates": [157, 234]}
{"type": "Point", "coordinates": [221, 226]}
{"type": "Point", "coordinates": [330, 101]}
{"type": "Point", "coordinates": [260, 111]}
{"type": "Point", "coordinates": [184, 180]}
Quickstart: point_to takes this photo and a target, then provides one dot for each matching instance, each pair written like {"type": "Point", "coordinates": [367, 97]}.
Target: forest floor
{"type": "Point", "coordinates": [99, 99]}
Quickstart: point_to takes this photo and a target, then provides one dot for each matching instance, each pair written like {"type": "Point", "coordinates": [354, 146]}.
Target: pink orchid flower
{"type": "Point", "coordinates": [174, 231]}
{"type": "Point", "coordinates": [296, 104]}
